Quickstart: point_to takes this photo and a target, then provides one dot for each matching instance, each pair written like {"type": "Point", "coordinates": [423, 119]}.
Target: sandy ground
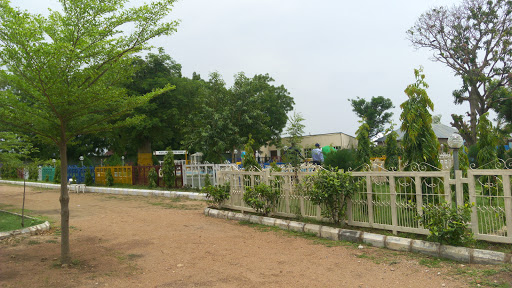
{"type": "Point", "coordinates": [135, 241]}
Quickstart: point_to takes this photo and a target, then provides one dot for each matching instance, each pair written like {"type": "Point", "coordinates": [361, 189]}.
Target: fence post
{"type": "Point", "coordinates": [369, 199]}
{"type": "Point", "coordinates": [508, 204]}
{"type": "Point", "coordinates": [459, 191]}
{"type": "Point", "coordinates": [472, 199]}
{"type": "Point", "coordinates": [392, 194]}
{"type": "Point", "coordinates": [419, 199]}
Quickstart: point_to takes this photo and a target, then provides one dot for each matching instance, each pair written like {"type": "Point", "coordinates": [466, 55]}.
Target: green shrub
{"type": "Point", "coordinates": [341, 159]}
{"type": "Point", "coordinates": [56, 177]}
{"type": "Point", "coordinates": [109, 179]}
{"type": "Point", "coordinates": [47, 178]}
{"type": "Point", "coordinates": [88, 177]}
{"type": "Point", "coordinates": [447, 224]}
{"type": "Point", "coordinates": [33, 172]}
{"type": "Point", "coordinates": [168, 169]}
{"type": "Point", "coordinates": [216, 195]}
{"type": "Point", "coordinates": [152, 178]}
{"type": "Point", "coordinates": [262, 198]}
{"type": "Point", "coordinates": [331, 190]}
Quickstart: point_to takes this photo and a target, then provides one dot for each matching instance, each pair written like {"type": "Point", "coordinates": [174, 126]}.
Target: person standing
{"type": "Point", "coordinates": [317, 155]}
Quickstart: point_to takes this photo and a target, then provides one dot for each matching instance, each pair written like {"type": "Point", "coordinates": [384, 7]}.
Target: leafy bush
{"type": "Point", "coordinates": [262, 198]}
{"type": "Point", "coordinates": [114, 160]}
{"type": "Point", "coordinates": [447, 224]}
{"type": "Point", "coordinates": [153, 178]}
{"type": "Point", "coordinates": [88, 177]}
{"type": "Point", "coordinates": [331, 190]}
{"type": "Point", "coordinates": [109, 179]}
{"type": "Point", "coordinates": [33, 172]}
{"type": "Point", "coordinates": [249, 162]}
{"type": "Point", "coordinates": [216, 195]}
{"type": "Point", "coordinates": [56, 177]}
{"type": "Point", "coordinates": [8, 171]}
{"type": "Point", "coordinates": [341, 159]}
{"type": "Point", "coordinates": [168, 169]}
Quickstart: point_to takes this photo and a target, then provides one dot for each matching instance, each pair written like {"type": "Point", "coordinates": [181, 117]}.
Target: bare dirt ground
{"type": "Point", "coordinates": [135, 241]}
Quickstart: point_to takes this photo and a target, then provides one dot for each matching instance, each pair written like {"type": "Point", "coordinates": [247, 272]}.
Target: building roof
{"type": "Point", "coordinates": [442, 132]}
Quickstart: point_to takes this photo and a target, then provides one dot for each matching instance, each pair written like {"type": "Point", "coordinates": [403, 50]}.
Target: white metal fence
{"type": "Point", "coordinates": [394, 200]}
{"type": "Point", "coordinates": [195, 175]}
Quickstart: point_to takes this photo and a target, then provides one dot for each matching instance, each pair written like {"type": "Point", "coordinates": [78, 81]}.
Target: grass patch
{"type": "Point", "coordinates": [430, 262]}
{"type": "Point", "coordinates": [9, 222]}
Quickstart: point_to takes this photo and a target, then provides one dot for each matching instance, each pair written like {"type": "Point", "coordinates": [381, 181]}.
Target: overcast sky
{"type": "Point", "coordinates": [324, 52]}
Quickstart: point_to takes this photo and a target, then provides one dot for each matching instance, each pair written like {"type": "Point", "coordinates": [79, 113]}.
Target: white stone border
{"type": "Point", "coordinates": [32, 230]}
{"type": "Point", "coordinates": [117, 191]}
{"type": "Point", "coordinates": [461, 254]}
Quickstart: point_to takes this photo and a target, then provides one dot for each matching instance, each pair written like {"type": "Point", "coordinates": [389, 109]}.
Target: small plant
{"type": "Point", "coordinates": [56, 177]}
{"type": "Point", "coordinates": [88, 177]}
{"type": "Point", "coordinates": [153, 178]}
{"type": "Point", "coordinates": [73, 180]}
{"type": "Point", "coordinates": [47, 178]}
{"type": "Point", "coordinates": [109, 179]}
{"type": "Point", "coordinates": [169, 169]}
{"type": "Point", "coordinates": [216, 195]}
{"type": "Point", "coordinates": [447, 224]}
{"type": "Point", "coordinates": [331, 190]}
{"type": "Point", "coordinates": [262, 198]}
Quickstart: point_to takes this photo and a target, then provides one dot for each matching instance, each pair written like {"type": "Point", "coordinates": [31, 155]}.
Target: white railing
{"type": "Point", "coordinates": [394, 200]}
{"type": "Point", "coordinates": [195, 175]}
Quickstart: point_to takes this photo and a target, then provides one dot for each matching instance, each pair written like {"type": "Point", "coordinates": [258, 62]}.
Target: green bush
{"type": "Point", "coordinates": [331, 190]}
{"type": "Point", "coordinates": [216, 195]}
{"type": "Point", "coordinates": [56, 177]}
{"type": "Point", "coordinates": [341, 159]}
{"type": "Point", "coordinates": [262, 198]}
{"type": "Point", "coordinates": [109, 179]}
{"type": "Point", "coordinates": [168, 169]}
{"type": "Point", "coordinates": [33, 172]}
{"type": "Point", "coordinates": [447, 224]}
{"type": "Point", "coordinates": [88, 177]}
{"type": "Point", "coordinates": [153, 178]}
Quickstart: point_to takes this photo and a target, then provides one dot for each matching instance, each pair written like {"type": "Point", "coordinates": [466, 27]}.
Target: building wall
{"type": "Point", "coordinates": [337, 140]}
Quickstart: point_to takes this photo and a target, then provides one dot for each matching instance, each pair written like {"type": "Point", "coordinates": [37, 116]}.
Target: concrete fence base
{"type": "Point", "coordinates": [461, 254]}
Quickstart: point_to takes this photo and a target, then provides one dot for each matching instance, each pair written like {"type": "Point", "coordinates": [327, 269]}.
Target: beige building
{"type": "Point", "coordinates": [337, 140]}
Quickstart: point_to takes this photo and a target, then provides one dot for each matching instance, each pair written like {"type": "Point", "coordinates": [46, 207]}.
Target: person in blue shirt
{"type": "Point", "coordinates": [317, 155]}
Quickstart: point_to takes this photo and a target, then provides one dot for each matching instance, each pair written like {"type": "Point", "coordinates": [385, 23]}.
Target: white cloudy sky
{"type": "Point", "coordinates": [324, 52]}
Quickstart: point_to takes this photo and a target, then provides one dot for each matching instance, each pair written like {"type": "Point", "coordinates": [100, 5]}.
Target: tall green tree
{"type": "Point", "coordinates": [473, 39]}
{"type": "Point", "coordinates": [295, 130]}
{"type": "Point", "coordinates": [420, 143]}
{"type": "Point", "coordinates": [363, 145]}
{"type": "Point", "coordinates": [373, 112]}
{"type": "Point", "coordinates": [226, 117]}
{"type": "Point", "coordinates": [487, 141]}
{"type": "Point", "coordinates": [392, 152]}
{"type": "Point", "coordinates": [69, 66]}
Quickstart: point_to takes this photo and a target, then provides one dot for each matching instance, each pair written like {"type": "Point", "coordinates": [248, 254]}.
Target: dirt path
{"type": "Point", "coordinates": [127, 241]}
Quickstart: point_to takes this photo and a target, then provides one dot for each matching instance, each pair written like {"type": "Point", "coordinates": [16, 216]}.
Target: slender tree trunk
{"type": "Point", "coordinates": [64, 204]}
{"type": "Point", "coordinates": [473, 108]}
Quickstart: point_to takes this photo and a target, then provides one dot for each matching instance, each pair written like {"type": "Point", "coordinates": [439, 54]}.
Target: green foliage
{"type": "Point", "coordinates": [88, 177]}
{"type": "Point", "coordinates": [487, 141]}
{"type": "Point", "coordinates": [447, 224]}
{"type": "Point", "coordinates": [331, 190]}
{"type": "Point", "coordinates": [114, 160]}
{"type": "Point", "coordinates": [47, 178]}
{"type": "Point", "coordinates": [56, 177]}
{"type": "Point", "coordinates": [168, 169]}
{"type": "Point", "coordinates": [249, 162]}
{"type": "Point", "coordinates": [472, 39]}
{"type": "Point", "coordinates": [226, 117]}
{"type": "Point", "coordinates": [73, 180]}
{"type": "Point", "coordinates": [152, 178]}
{"type": "Point", "coordinates": [13, 148]}
{"type": "Point", "coordinates": [420, 144]}
{"type": "Point", "coordinates": [344, 159]}
{"type": "Point", "coordinates": [262, 198]}
{"type": "Point", "coordinates": [216, 195]}
{"type": "Point", "coordinates": [109, 178]}
{"type": "Point", "coordinates": [33, 172]}
{"type": "Point", "coordinates": [295, 130]}
{"type": "Point", "coordinates": [373, 112]}
{"type": "Point", "coordinates": [9, 171]}
{"type": "Point", "coordinates": [392, 161]}
{"type": "Point", "coordinates": [377, 150]}
{"type": "Point", "coordinates": [363, 145]}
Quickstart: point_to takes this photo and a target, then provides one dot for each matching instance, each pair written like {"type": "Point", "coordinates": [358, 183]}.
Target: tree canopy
{"type": "Point", "coordinates": [419, 143]}
{"type": "Point", "coordinates": [474, 40]}
{"type": "Point", "coordinates": [63, 72]}
{"type": "Point", "coordinates": [373, 112]}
